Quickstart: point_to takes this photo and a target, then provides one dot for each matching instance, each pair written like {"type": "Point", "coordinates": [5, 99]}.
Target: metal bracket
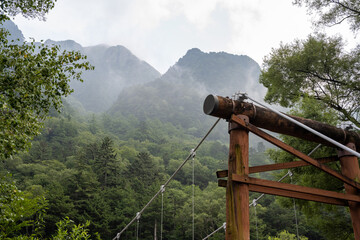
{"type": "Point", "coordinates": [234, 125]}
{"type": "Point", "coordinates": [343, 153]}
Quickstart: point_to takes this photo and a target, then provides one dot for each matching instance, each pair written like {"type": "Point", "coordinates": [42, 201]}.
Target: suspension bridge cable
{"type": "Point", "coordinates": [137, 225]}
{"type": "Point", "coordinates": [316, 148]}
{"type": "Point", "coordinates": [192, 154]}
{"type": "Point", "coordinates": [256, 220]}
{"type": "Point", "coordinates": [222, 227]}
{"type": "Point", "coordinates": [306, 127]}
{"type": "Point", "coordinates": [162, 210]}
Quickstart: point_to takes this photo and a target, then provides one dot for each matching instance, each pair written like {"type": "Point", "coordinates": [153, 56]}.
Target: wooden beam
{"type": "Point", "coordinates": [295, 188]}
{"type": "Point", "coordinates": [279, 166]}
{"type": "Point", "coordinates": [293, 191]}
{"type": "Point", "coordinates": [222, 183]}
{"type": "Point", "coordinates": [287, 165]}
{"type": "Point", "coordinates": [297, 195]}
{"type": "Point", "coordinates": [222, 173]}
{"type": "Point", "coordinates": [290, 194]}
{"type": "Point", "coordinates": [293, 151]}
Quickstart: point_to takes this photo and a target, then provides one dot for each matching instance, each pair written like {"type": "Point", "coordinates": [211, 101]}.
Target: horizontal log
{"type": "Point", "coordinates": [297, 195]}
{"type": "Point", "coordinates": [222, 183]}
{"type": "Point", "coordinates": [279, 166]}
{"type": "Point", "coordinates": [293, 191]}
{"type": "Point", "coordinates": [287, 165]}
{"type": "Point", "coordinates": [295, 188]}
{"type": "Point", "coordinates": [222, 173]}
{"type": "Point", "coordinates": [218, 106]}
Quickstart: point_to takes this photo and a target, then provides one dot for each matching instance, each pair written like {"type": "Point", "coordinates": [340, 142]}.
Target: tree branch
{"type": "Point", "coordinates": [330, 80]}
{"type": "Point", "coordinates": [347, 7]}
{"type": "Point", "coordinates": [339, 22]}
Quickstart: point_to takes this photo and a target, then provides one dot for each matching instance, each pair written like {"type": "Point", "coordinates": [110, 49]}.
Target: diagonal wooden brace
{"type": "Point", "coordinates": [293, 151]}
{"type": "Point", "coordinates": [279, 166]}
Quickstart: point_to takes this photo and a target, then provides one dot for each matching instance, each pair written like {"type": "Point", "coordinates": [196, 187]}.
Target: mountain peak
{"type": "Point", "coordinates": [217, 72]}
{"type": "Point", "coordinates": [193, 51]}
{"type": "Point", "coordinates": [65, 44]}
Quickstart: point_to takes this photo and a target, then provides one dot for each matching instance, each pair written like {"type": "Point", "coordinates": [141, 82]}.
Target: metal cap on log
{"type": "Point", "coordinates": [222, 107]}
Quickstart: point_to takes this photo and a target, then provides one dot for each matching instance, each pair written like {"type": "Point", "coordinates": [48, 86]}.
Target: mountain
{"type": "Point", "coordinates": [218, 72]}
{"type": "Point", "coordinates": [116, 68]}
{"type": "Point", "coordinates": [195, 75]}
{"type": "Point", "coordinates": [177, 96]}
{"type": "Point", "coordinates": [69, 45]}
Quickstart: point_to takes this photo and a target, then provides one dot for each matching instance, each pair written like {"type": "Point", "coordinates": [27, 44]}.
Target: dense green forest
{"type": "Point", "coordinates": [104, 170]}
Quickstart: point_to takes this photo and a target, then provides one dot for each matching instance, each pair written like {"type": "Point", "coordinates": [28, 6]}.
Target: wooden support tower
{"type": "Point", "coordinates": [350, 168]}
{"type": "Point", "coordinates": [245, 117]}
{"type": "Point", "coordinates": [237, 195]}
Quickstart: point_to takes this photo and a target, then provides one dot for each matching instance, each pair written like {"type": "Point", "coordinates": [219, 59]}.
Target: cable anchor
{"type": "Point", "coordinates": [240, 96]}
{"type": "Point", "coordinates": [192, 153]}
{"type": "Point", "coordinates": [162, 188]}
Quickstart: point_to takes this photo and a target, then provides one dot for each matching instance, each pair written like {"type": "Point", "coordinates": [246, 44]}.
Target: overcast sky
{"type": "Point", "coordinates": [161, 31]}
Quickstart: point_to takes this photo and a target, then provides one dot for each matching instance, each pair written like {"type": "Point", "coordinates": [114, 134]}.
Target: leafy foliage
{"type": "Point", "coordinates": [18, 209]}
{"type": "Point", "coordinates": [319, 68]}
{"type": "Point", "coordinates": [332, 12]}
{"type": "Point", "coordinates": [68, 230]}
{"type": "Point", "coordinates": [31, 83]}
{"type": "Point", "coordinates": [33, 79]}
{"type": "Point", "coordinates": [28, 8]}
{"type": "Point", "coordinates": [285, 235]}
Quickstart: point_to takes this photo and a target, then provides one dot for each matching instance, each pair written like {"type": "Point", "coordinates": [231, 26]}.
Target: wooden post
{"type": "Point", "coordinates": [237, 195]}
{"type": "Point", "coordinates": [350, 169]}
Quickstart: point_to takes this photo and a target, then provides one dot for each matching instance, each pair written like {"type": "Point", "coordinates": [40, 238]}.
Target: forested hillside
{"type": "Point", "coordinates": [97, 160]}
{"type": "Point", "coordinates": [104, 169]}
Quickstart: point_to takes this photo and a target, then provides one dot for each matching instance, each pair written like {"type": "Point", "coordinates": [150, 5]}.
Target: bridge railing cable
{"type": "Point", "coordinates": [244, 96]}
{"type": "Point", "coordinates": [192, 154]}
{"type": "Point", "coordinates": [222, 227]}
